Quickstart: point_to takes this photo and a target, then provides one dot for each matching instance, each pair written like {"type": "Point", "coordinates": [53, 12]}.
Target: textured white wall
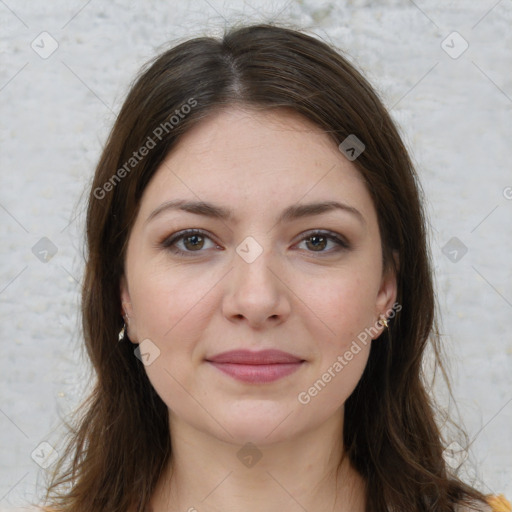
{"type": "Point", "coordinates": [455, 114]}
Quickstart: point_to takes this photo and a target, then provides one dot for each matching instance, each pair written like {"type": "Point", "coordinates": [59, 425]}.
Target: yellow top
{"type": "Point", "coordinates": [499, 503]}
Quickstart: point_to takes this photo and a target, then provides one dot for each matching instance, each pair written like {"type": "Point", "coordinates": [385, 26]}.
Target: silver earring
{"type": "Point", "coordinates": [122, 332]}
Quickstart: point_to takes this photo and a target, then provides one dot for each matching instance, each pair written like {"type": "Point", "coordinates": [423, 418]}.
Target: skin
{"type": "Point", "coordinates": [311, 300]}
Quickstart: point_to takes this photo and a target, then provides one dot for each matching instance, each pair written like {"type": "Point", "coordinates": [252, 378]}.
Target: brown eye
{"type": "Point", "coordinates": [193, 241]}
{"type": "Point", "coordinates": [317, 241]}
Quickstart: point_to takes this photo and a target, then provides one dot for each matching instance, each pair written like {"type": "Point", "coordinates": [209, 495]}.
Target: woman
{"type": "Point", "coordinates": [257, 295]}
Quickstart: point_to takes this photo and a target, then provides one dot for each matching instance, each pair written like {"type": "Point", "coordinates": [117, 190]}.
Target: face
{"type": "Point", "coordinates": [262, 270]}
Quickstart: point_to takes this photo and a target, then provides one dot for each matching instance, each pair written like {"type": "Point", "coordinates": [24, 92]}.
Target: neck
{"type": "Point", "coordinates": [308, 472]}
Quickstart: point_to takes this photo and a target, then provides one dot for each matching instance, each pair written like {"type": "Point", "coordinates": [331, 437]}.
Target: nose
{"type": "Point", "coordinates": [256, 289]}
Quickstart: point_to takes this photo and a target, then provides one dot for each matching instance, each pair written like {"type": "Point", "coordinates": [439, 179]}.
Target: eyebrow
{"type": "Point", "coordinates": [292, 212]}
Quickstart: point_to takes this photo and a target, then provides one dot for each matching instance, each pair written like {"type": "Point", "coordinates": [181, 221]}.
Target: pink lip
{"type": "Point", "coordinates": [262, 366]}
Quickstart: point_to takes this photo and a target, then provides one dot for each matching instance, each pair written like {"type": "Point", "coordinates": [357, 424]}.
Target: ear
{"type": "Point", "coordinates": [386, 296]}
{"type": "Point", "coordinates": [127, 310]}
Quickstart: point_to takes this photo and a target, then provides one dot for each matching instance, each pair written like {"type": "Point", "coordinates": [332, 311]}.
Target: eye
{"type": "Point", "coordinates": [318, 240]}
{"type": "Point", "coordinates": [193, 241]}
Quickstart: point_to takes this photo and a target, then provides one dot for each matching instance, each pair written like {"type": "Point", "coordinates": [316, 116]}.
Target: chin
{"type": "Point", "coordinates": [260, 422]}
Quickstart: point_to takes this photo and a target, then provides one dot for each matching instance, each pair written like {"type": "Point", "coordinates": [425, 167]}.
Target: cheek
{"type": "Point", "coordinates": [168, 306]}
{"type": "Point", "coordinates": [345, 308]}
{"type": "Point", "coordinates": [341, 305]}
{"type": "Point", "coordinates": [165, 300]}
{"type": "Point", "coordinates": [330, 390]}
{"type": "Point", "coordinates": [172, 308]}
{"type": "Point", "coordinates": [340, 308]}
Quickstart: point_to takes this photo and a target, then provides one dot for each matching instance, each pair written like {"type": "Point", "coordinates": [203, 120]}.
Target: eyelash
{"type": "Point", "coordinates": [169, 243]}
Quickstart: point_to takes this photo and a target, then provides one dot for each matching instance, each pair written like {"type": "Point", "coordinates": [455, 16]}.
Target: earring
{"type": "Point", "coordinates": [383, 320]}
{"type": "Point", "coordinates": [122, 332]}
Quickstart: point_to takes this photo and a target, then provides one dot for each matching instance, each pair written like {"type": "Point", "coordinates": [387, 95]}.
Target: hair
{"type": "Point", "coordinates": [121, 443]}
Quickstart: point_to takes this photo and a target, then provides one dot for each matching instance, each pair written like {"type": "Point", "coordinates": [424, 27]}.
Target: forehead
{"type": "Point", "coordinates": [256, 161]}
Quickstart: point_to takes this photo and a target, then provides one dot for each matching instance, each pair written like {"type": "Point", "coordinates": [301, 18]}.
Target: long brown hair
{"type": "Point", "coordinates": [121, 443]}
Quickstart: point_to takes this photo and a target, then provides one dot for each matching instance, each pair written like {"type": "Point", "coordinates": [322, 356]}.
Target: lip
{"type": "Point", "coordinates": [256, 367]}
{"type": "Point", "coordinates": [255, 358]}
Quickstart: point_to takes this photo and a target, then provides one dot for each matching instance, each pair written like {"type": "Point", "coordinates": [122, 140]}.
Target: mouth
{"type": "Point", "coordinates": [256, 367]}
